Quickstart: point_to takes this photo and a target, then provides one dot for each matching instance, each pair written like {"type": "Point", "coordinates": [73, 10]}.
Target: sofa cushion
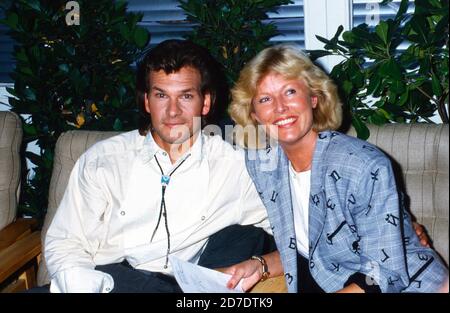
{"type": "Point", "coordinates": [10, 141]}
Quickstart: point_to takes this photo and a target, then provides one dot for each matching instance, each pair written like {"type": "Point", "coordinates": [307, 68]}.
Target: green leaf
{"type": "Point", "coordinates": [419, 25]}
{"type": "Point", "coordinates": [397, 87]}
{"type": "Point", "coordinates": [11, 91]}
{"type": "Point", "coordinates": [403, 98]}
{"type": "Point", "coordinates": [34, 4]}
{"type": "Point", "coordinates": [436, 85]}
{"type": "Point", "coordinates": [316, 54]}
{"type": "Point", "coordinates": [122, 92]}
{"type": "Point", "coordinates": [120, 5]}
{"type": "Point", "coordinates": [70, 49]}
{"type": "Point", "coordinates": [425, 66]}
{"type": "Point", "coordinates": [64, 67]}
{"type": "Point", "coordinates": [391, 69]}
{"type": "Point", "coordinates": [354, 71]}
{"type": "Point", "coordinates": [117, 124]}
{"type": "Point", "coordinates": [115, 103]}
{"type": "Point", "coordinates": [361, 129]}
{"type": "Point", "coordinates": [140, 37]}
{"type": "Point", "coordinates": [125, 32]}
{"type": "Point", "coordinates": [29, 94]}
{"type": "Point", "coordinates": [382, 30]}
{"type": "Point", "coordinates": [402, 9]}
{"type": "Point", "coordinates": [21, 56]}
{"type": "Point", "coordinates": [12, 20]}
{"type": "Point", "coordinates": [377, 118]}
{"type": "Point", "coordinates": [347, 87]}
{"type": "Point", "coordinates": [362, 34]}
{"type": "Point", "coordinates": [324, 40]}
{"type": "Point", "coordinates": [374, 84]}
{"type": "Point", "coordinates": [335, 38]}
{"type": "Point", "coordinates": [349, 37]}
{"type": "Point", "coordinates": [29, 129]}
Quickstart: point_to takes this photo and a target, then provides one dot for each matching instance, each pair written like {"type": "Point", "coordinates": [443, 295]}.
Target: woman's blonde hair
{"type": "Point", "coordinates": [292, 63]}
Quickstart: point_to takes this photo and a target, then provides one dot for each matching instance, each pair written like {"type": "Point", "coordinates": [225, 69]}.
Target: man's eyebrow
{"type": "Point", "coordinates": [158, 89]}
{"type": "Point", "coordinates": [188, 90]}
{"type": "Point", "coordinates": [191, 89]}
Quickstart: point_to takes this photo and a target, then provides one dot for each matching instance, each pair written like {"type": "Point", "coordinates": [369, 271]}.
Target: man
{"type": "Point", "coordinates": [134, 199]}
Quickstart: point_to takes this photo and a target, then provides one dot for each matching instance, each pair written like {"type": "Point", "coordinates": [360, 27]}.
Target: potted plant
{"type": "Point", "coordinates": [70, 76]}
{"type": "Point", "coordinates": [379, 83]}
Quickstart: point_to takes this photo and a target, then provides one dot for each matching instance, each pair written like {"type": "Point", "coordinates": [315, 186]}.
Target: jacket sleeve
{"type": "Point", "coordinates": [390, 252]}
{"type": "Point", "coordinates": [75, 233]}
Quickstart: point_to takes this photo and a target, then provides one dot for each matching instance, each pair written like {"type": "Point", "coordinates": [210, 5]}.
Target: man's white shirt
{"type": "Point", "coordinates": [112, 202]}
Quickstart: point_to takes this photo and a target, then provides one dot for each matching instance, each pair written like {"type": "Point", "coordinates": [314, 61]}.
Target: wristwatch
{"type": "Point", "coordinates": [265, 269]}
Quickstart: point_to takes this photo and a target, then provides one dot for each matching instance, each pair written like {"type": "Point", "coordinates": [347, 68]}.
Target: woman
{"type": "Point", "coordinates": [332, 201]}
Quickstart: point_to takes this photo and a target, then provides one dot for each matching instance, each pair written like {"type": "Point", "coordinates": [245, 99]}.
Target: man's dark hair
{"type": "Point", "coordinates": [171, 56]}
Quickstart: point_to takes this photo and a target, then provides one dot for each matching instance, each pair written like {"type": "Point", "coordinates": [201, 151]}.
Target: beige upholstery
{"type": "Point", "coordinates": [10, 141]}
{"type": "Point", "coordinates": [420, 150]}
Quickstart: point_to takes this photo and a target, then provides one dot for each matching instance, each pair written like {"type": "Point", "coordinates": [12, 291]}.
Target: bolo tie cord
{"type": "Point", "coordinates": [165, 179]}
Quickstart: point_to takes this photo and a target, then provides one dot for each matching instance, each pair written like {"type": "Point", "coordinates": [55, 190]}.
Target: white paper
{"type": "Point", "coordinates": [197, 279]}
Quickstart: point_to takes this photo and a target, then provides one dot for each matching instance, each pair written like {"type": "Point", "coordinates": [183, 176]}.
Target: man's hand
{"type": "Point", "coordinates": [422, 234]}
{"type": "Point", "coordinates": [352, 288]}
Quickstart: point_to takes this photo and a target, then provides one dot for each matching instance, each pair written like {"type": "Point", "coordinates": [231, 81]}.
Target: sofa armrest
{"type": "Point", "coordinates": [20, 253]}
{"type": "Point", "coordinates": [15, 231]}
{"type": "Point", "coordinates": [271, 285]}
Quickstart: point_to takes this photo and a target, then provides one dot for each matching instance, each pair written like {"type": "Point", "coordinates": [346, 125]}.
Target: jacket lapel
{"type": "Point", "coordinates": [317, 200]}
{"type": "Point", "coordinates": [283, 207]}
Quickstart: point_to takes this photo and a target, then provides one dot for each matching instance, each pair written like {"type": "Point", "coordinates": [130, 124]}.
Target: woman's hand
{"type": "Point", "coordinates": [422, 234]}
{"type": "Point", "coordinates": [249, 270]}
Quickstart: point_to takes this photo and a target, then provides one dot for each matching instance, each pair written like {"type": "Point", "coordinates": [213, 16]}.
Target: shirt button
{"type": "Point", "coordinates": [164, 153]}
{"type": "Point", "coordinates": [122, 213]}
{"type": "Point", "coordinates": [203, 218]}
{"type": "Point", "coordinates": [108, 289]}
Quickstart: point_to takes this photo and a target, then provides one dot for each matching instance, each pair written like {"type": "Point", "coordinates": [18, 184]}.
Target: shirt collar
{"type": "Point", "coordinates": [150, 148]}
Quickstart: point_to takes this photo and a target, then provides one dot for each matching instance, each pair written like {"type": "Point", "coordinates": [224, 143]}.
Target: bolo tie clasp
{"type": "Point", "coordinates": [165, 179]}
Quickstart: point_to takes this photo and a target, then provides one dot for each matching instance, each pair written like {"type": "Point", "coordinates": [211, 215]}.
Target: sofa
{"type": "Point", "coordinates": [419, 153]}
{"type": "Point", "coordinates": [20, 243]}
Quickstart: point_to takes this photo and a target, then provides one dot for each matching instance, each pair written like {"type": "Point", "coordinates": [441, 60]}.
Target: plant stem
{"type": "Point", "coordinates": [442, 110]}
{"type": "Point", "coordinates": [427, 95]}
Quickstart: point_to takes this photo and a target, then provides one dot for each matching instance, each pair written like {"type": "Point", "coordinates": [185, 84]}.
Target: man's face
{"type": "Point", "coordinates": [173, 101]}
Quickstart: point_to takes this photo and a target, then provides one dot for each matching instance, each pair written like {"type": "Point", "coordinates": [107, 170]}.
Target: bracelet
{"type": "Point", "coordinates": [265, 269]}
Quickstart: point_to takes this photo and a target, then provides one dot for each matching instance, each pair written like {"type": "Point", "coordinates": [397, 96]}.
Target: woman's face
{"type": "Point", "coordinates": [285, 107]}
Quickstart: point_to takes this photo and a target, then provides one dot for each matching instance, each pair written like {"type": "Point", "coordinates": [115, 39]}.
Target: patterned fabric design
{"type": "Point", "coordinates": [356, 221]}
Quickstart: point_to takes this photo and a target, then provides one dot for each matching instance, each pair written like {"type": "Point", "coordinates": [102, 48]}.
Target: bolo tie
{"type": "Point", "coordinates": [165, 179]}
